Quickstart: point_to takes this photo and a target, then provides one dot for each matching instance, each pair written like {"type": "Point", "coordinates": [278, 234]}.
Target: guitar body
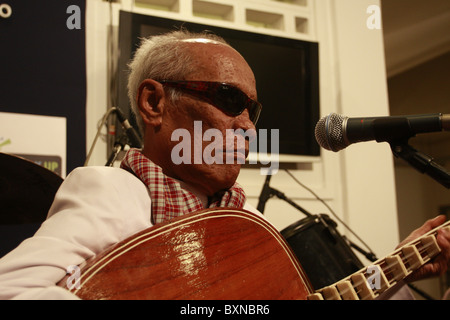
{"type": "Point", "coordinates": [212, 254]}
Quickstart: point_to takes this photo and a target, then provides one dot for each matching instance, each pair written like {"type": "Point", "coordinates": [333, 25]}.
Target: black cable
{"type": "Point", "coordinates": [332, 212]}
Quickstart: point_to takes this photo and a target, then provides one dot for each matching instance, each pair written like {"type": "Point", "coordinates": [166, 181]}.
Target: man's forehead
{"type": "Point", "coordinates": [222, 63]}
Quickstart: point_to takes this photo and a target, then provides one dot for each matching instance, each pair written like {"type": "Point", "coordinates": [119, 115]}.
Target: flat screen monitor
{"type": "Point", "coordinates": [286, 71]}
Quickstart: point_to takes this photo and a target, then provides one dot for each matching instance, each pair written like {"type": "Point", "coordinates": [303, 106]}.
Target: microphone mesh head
{"type": "Point", "coordinates": [329, 132]}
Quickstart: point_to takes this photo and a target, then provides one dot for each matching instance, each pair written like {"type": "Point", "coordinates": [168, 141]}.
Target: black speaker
{"type": "Point", "coordinates": [322, 251]}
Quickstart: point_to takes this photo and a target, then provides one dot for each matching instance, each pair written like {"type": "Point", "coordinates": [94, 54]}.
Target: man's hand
{"type": "Point", "coordinates": [441, 262]}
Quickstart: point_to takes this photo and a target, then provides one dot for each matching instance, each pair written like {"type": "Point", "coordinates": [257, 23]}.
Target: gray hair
{"type": "Point", "coordinates": [163, 57]}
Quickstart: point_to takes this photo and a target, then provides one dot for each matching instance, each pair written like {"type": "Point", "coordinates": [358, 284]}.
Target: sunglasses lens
{"type": "Point", "coordinates": [254, 112]}
{"type": "Point", "coordinates": [230, 99]}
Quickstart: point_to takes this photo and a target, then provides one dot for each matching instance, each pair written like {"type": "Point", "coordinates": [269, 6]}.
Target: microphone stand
{"type": "Point", "coordinates": [421, 162]}
{"type": "Point", "coordinates": [274, 192]}
{"type": "Point", "coordinates": [369, 255]}
{"type": "Point", "coordinates": [269, 192]}
{"type": "Point", "coordinates": [119, 145]}
{"type": "Point", "coordinates": [282, 196]}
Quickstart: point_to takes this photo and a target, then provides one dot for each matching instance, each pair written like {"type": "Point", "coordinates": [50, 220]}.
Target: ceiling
{"type": "Point", "coordinates": [415, 31]}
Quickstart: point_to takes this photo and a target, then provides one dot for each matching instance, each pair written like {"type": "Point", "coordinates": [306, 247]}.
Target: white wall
{"type": "Point", "coordinates": [358, 183]}
{"type": "Point", "coordinates": [367, 168]}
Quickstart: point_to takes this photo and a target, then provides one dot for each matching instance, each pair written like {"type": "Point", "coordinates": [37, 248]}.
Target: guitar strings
{"type": "Point", "coordinates": [388, 270]}
{"type": "Point", "coordinates": [404, 259]}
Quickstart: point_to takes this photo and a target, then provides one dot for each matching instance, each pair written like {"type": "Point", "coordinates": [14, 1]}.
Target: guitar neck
{"type": "Point", "coordinates": [371, 281]}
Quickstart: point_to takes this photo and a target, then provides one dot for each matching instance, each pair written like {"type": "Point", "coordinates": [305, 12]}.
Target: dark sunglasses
{"type": "Point", "coordinates": [224, 96]}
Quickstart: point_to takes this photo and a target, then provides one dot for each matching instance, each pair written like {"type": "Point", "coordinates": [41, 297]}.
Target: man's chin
{"type": "Point", "coordinates": [213, 178]}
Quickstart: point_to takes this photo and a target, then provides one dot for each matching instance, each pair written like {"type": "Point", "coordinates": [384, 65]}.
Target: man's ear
{"type": "Point", "coordinates": [151, 102]}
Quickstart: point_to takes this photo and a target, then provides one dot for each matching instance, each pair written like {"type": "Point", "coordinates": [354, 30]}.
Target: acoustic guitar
{"type": "Point", "coordinates": [227, 254]}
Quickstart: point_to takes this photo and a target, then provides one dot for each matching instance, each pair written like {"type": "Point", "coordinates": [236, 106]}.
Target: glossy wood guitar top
{"type": "Point", "coordinates": [212, 254]}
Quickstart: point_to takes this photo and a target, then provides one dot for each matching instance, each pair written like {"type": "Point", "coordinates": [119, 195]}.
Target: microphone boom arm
{"type": "Point", "coordinates": [421, 162]}
{"type": "Point", "coordinates": [282, 196]}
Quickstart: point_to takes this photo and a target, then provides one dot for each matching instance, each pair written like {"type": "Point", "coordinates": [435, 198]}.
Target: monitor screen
{"type": "Point", "coordinates": [286, 71]}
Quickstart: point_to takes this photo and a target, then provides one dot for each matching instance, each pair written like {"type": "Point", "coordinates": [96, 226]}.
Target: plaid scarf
{"type": "Point", "coordinates": [169, 198]}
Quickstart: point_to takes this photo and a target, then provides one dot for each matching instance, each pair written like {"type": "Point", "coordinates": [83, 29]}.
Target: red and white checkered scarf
{"type": "Point", "coordinates": [169, 198]}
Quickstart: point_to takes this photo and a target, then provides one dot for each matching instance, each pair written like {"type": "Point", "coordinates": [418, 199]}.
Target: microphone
{"type": "Point", "coordinates": [132, 135]}
{"type": "Point", "coordinates": [266, 193]}
{"type": "Point", "coordinates": [336, 132]}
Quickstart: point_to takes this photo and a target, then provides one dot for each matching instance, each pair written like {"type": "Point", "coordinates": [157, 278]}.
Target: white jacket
{"type": "Point", "coordinates": [94, 208]}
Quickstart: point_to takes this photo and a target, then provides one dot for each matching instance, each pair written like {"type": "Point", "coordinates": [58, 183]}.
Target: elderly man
{"type": "Point", "coordinates": [176, 79]}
